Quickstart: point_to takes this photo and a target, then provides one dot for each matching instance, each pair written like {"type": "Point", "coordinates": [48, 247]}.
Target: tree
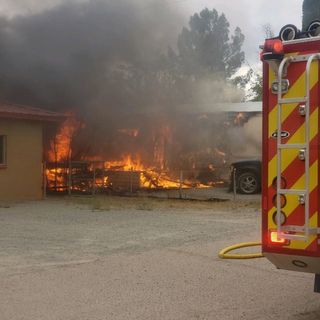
{"type": "Point", "coordinates": [206, 46]}
{"type": "Point", "coordinates": [251, 83]}
{"type": "Point", "coordinates": [310, 12]}
{"type": "Point", "coordinates": [268, 30]}
{"type": "Point", "coordinates": [256, 88]}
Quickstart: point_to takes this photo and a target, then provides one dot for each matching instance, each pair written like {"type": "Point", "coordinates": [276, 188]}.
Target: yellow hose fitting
{"type": "Point", "coordinates": [223, 254]}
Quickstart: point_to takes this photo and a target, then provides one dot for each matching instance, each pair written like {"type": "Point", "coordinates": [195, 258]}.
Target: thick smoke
{"type": "Point", "coordinates": [245, 142]}
{"type": "Point", "coordinates": [101, 60]}
{"type": "Point", "coordinates": [74, 56]}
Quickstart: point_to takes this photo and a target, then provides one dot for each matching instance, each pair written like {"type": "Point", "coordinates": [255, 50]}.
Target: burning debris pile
{"type": "Point", "coordinates": [189, 151]}
{"type": "Point", "coordinates": [136, 158]}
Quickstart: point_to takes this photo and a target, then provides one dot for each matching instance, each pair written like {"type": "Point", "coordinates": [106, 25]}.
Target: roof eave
{"type": "Point", "coordinates": [49, 118]}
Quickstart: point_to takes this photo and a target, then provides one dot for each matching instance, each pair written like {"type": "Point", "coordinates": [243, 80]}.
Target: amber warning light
{"type": "Point", "coordinates": [274, 238]}
{"type": "Point", "coordinates": [277, 240]}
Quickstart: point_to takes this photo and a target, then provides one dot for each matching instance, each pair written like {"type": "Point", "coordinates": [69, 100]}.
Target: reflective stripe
{"type": "Point", "coordinates": [291, 167]}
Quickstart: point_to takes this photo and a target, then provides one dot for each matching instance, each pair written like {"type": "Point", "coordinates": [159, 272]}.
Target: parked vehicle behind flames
{"type": "Point", "coordinates": [247, 176]}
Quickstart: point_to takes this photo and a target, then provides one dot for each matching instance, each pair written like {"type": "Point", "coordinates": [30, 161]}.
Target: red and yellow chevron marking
{"type": "Point", "coordinates": [293, 169]}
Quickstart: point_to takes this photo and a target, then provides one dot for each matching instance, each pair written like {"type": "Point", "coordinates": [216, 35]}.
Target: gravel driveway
{"type": "Point", "coordinates": [140, 259]}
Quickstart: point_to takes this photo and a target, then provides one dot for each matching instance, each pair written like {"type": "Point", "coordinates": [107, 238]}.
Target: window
{"type": "Point", "coordinates": [3, 150]}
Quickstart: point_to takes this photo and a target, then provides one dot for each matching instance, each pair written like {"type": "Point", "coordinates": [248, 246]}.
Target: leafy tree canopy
{"type": "Point", "coordinates": [206, 47]}
{"type": "Point", "coordinates": [251, 82]}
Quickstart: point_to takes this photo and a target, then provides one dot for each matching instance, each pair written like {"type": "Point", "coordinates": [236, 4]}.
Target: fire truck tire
{"type": "Point", "coordinates": [248, 183]}
{"type": "Point", "coordinates": [223, 254]}
{"type": "Point", "coordinates": [288, 32]}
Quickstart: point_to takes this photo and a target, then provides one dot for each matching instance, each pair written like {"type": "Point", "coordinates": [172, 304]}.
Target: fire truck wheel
{"type": "Point", "coordinates": [248, 183]}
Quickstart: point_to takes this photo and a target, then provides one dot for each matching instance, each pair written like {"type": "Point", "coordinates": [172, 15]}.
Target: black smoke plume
{"type": "Point", "coordinates": [84, 55]}
{"type": "Point", "coordinates": [106, 61]}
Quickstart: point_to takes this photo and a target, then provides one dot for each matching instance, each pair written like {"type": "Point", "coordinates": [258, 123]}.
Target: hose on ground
{"type": "Point", "coordinates": [223, 254]}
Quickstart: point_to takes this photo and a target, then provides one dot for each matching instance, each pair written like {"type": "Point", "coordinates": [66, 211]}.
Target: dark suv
{"type": "Point", "coordinates": [247, 176]}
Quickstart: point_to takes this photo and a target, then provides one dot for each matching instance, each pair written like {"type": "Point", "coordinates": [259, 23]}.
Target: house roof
{"type": "Point", "coordinates": [224, 107]}
{"type": "Point", "coordinates": [14, 111]}
{"type": "Point", "coordinates": [250, 106]}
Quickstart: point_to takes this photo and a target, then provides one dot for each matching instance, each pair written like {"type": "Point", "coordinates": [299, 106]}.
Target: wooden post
{"type": "Point", "coordinates": [180, 184]}
{"type": "Point", "coordinates": [94, 179]}
{"type": "Point", "coordinates": [44, 182]}
{"type": "Point", "coordinates": [131, 180]}
{"type": "Point", "coordinates": [70, 178]}
{"type": "Point", "coordinates": [103, 176]}
{"type": "Point", "coordinates": [55, 164]}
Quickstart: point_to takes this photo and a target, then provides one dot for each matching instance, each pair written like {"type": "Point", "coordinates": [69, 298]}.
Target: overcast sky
{"type": "Point", "coordinates": [249, 15]}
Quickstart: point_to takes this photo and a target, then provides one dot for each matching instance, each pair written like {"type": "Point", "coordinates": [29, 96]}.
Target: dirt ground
{"type": "Point", "coordinates": [124, 258]}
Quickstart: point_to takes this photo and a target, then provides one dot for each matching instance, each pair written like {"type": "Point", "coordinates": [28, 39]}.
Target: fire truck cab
{"type": "Point", "coordinates": [291, 148]}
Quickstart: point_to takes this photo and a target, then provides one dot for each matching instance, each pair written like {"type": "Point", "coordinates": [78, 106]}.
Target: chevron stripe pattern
{"type": "Point", "coordinates": [292, 168]}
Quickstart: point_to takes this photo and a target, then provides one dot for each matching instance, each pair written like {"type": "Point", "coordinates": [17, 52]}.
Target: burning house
{"type": "Point", "coordinates": [133, 97]}
{"type": "Point", "coordinates": [21, 151]}
{"type": "Point", "coordinates": [152, 151]}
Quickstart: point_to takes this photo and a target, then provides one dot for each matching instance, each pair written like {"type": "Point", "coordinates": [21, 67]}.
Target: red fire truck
{"type": "Point", "coordinates": [291, 149]}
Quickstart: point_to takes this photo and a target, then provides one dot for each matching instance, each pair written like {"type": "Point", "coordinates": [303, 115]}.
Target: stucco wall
{"type": "Point", "coordinates": [22, 177]}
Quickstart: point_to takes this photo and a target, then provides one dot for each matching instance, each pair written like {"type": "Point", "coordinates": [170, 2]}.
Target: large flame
{"type": "Point", "coordinates": [60, 146]}
{"type": "Point", "coordinates": [127, 163]}
{"type": "Point", "coordinates": [93, 171]}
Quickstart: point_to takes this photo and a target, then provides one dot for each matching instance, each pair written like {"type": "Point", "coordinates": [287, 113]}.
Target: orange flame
{"type": "Point", "coordinates": [127, 163]}
{"type": "Point", "coordinates": [60, 146]}
{"type": "Point", "coordinates": [239, 119]}
{"type": "Point", "coordinates": [150, 177]}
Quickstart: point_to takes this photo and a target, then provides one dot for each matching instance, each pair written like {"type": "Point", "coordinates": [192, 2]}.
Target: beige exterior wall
{"type": "Point", "coordinates": [21, 178]}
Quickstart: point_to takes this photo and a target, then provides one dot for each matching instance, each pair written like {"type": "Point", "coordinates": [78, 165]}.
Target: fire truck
{"type": "Point", "coordinates": [291, 149]}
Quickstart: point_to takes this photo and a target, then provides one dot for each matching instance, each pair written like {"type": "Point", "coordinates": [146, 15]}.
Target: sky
{"type": "Point", "coordinates": [249, 15]}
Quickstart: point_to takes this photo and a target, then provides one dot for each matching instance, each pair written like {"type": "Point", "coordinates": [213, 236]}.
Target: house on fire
{"type": "Point", "coordinates": [21, 151]}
